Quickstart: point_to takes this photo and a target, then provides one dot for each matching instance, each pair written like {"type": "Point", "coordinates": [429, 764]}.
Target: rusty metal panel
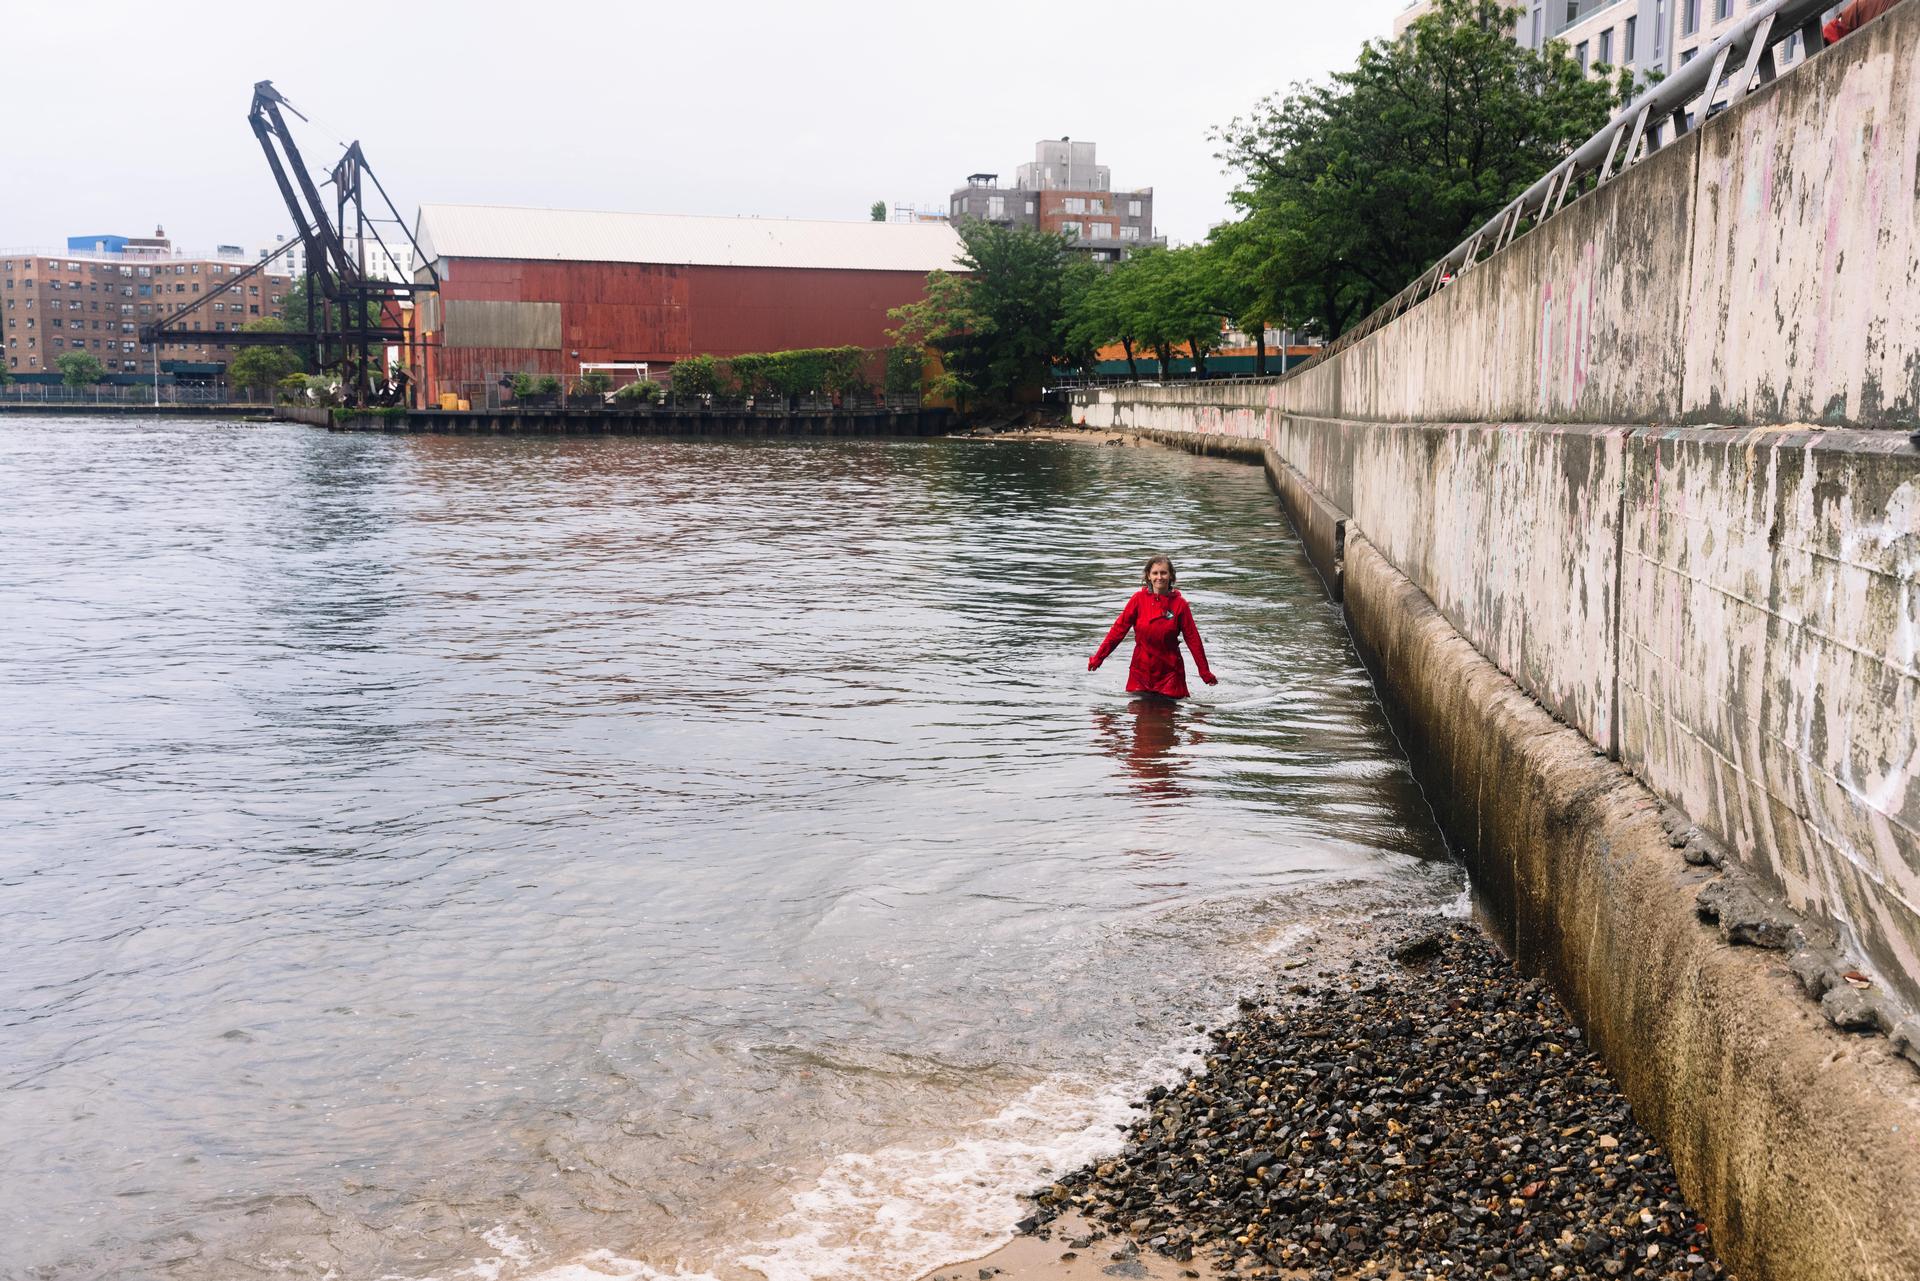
{"type": "Point", "coordinates": [477, 323]}
{"type": "Point", "coordinates": [662, 313]}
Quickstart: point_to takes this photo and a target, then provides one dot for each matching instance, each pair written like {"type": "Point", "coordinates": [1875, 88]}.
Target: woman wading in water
{"type": "Point", "coordinates": [1159, 617]}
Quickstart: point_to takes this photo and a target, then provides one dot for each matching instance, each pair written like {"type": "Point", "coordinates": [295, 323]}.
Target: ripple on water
{"type": "Point", "coordinates": [496, 858]}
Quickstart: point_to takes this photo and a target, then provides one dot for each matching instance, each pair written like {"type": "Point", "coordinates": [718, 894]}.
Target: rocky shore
{"type": "Point", "coordinates": [1432, 1113]}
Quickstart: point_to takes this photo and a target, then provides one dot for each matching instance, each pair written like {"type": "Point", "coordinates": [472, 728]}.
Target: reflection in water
{"type": "Point", "coordinates": [449, 857]}
{"type": "Point", "coordinates": [1146, 739]}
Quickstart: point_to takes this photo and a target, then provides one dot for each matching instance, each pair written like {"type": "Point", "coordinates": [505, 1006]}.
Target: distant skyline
{"type": "Point", "coordinates": [755, 109]}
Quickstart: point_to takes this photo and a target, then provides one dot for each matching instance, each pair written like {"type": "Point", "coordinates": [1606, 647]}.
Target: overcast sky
{"type": "Point", "coordinates": [116, 116]}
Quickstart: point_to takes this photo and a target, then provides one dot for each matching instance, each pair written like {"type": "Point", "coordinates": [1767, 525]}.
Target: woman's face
{"type": "Point", "coordinates": [1160, 578]}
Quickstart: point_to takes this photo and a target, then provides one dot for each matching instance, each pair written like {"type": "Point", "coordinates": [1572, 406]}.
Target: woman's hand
{"type": "Point", "coordinates": [1209, 678]}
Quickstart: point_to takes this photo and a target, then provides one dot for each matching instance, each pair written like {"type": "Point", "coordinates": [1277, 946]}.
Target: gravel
{"type": "Point", "coordinates": [1432, 1113]}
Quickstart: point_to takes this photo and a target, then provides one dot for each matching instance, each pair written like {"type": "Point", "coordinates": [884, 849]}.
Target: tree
{"type": "Point", "coordinates": [80, 369]}
{"type": "Point", "coordinates": [1240, 284]}
{"type": "Point", "coordinates": [1356, 186]}
{"type": "Point", "coordinates": [295, 305]}
{"type": "Point", "coordinates": [6, 376]}
{"type": "Point", "coordinates": [259, 369]}
{"type": "Point", "coordinates": [878, 211]}
{"type": "Point", "coordinates": [1000, 327]}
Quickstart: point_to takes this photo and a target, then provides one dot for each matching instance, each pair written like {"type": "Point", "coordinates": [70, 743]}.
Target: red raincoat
{"type": "Point", "coordinates": [1158, 623]}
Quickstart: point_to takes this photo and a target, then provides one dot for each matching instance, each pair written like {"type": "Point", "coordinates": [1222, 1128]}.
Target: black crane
{"type": "Point", "coordinates": [349, 313]}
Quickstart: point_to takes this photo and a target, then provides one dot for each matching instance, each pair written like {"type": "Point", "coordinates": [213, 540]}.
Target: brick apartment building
{"type": "Point", "coordinates": [95, 300]}
{"type": "Point", "coordinates": [1064, 190]}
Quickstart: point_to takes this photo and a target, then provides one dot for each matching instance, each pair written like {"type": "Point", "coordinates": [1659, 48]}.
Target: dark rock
{"type": "Point", "coordinates": [1419, 948]}
{"type": "Point", "coordinates": [1850, 1009]}
{"type": "Point", "coordinates": [1815, 973]}
{"type": "Point", "coordinates": [1744, 916]}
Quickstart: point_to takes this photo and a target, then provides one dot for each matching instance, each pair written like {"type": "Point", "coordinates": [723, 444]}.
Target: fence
{"type": "Point", "coordinates": [128, 394]}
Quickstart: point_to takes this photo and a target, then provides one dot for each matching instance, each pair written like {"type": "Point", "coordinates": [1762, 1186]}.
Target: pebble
{"type": "Point", "coordinates": [1433, 1112]}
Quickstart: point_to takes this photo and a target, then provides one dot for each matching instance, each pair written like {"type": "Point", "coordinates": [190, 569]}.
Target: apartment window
{"type": "Point", "coordinates": [1687, 55]}
{"type": "Point", "coordinates": [195, 269]}
{"type": "Point", "coordinates": [1722, 10]}
{"type": "Point", "coordinates": [276, 297]}
{"type": "Point", "coordinates": [54, 284]}
{"type": "Point", "coordinates": [254, 308]}
{"type": "Point", "coordinates": [1689, 17]}
{"type": "Point", "coordinates": [1606, 46]}
{"type": "Point", "coordinates": [1074, 204]}
{"type": "Point", "coordinates": [1626, 41]}
{"type": "Point", "coordinates": [219, 306]}
{"type": "Point", "coordinates": [220, 326]}
{"type": "Point", "coordinates": [1096, 206]}
{"type": "Point", "coordinates": [1099, 231]}
{"type": "Point", "coordinates": [73, 266]}
{"type": "Point", "coordinates": [996, 208]}
{"type": "Point", "coordinates": [956, 208]}
{"type": "Point", "coordinates": [1133, 208]}
{"type": "Point", "coordinates": [1071, 229]}
{"type": "Point", "coordinates": [1580, 54]}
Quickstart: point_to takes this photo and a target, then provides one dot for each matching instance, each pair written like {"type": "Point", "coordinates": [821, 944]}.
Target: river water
{"type": "Point", "coordinates": [499, 858]}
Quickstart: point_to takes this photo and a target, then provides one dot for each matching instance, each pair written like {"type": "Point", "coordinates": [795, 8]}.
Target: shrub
{"type": "Point", "coordinates": [644, 392]}
{"type": "Point", "coordinates": [697, 377]}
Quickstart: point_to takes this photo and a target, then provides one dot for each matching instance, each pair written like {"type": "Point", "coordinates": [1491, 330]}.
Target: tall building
{"type": "Point", "coordinates": [1065, 190]}
{"type": "Point", "coordinates": [96, 299]}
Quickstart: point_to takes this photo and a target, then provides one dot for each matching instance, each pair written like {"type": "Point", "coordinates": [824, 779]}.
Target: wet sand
{"type": "Point", "coordinates": [1074, 1250]}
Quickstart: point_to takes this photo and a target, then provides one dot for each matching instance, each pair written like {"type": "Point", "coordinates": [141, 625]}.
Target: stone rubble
{"type": "Point", "coordinates": [1432, 1114]}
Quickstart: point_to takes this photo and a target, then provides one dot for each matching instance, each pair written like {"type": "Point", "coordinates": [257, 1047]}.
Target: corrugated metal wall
{"type": "Point", "coordinates": [473, 322]}
{"type": "Point", "coordinates": [658, 314]}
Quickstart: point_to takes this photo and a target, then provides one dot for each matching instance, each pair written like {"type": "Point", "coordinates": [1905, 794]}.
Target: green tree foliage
{"type": "Point", "coordinates": [698, 377]}
{"type": "Point", "coordinates": [1356, 186]}
{"type": "Point", "coordinates": [906, 369]}
{"type": "Point", "coordinates": [878, 211]}
{"type": "Point", "coordinates": [80, 369]}
{"type": "Point", "coordinates": [6, 376]}
{"type": "Point", "coordinates": [260, 369]}
{"type": "Point", "coordinates": [1004, 324]}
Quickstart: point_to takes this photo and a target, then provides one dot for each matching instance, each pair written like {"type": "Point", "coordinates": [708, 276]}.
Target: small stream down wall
{"type": "Point", "coordinates": [1626, 523]}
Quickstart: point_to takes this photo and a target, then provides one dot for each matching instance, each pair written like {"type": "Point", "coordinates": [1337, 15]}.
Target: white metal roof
{"type": "Point", "coordinates": [579, 235]}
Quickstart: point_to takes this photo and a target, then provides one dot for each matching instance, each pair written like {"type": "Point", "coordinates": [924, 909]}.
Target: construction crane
{"type": "Point", "coordinates": [350, 314]}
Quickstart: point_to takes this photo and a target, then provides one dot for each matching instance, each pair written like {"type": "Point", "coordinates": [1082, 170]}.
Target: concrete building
{"type": "Point", "coordinates": [1648, 36]}
{"type": "Point", "coordinates": [93, 300]}
{"type": "Point", "coordinates": [550, 290]}
{"type": "Point", "coordinates": [1064, 190]}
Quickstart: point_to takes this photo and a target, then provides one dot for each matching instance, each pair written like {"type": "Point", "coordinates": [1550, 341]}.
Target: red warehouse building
{"type": "Point", "coordinates": [550, 290]}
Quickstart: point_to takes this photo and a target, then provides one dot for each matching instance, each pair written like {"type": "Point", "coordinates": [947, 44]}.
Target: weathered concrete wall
{"type": "Point", "coordinates": [1769, 663]}
{"type": "Point", "coordinates": [1805, 248]}
{"type": "Point", "coordinates": [1795, 1139]}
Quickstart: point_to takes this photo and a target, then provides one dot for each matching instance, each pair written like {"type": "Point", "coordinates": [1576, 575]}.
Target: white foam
{"type": "Point", "coordinates": [904, 1210]}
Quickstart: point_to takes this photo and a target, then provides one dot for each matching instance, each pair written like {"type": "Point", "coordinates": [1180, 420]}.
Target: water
{"type": "Point", "coordinates": [444, 857]}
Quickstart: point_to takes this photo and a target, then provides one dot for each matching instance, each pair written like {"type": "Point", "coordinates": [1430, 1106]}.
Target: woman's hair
{"type": "Point", "coordinates": [1146, 575]}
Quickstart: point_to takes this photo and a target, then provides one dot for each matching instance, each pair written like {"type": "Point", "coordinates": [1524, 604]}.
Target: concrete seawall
{"type": "Point", "coordinates": [1617, 521]}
